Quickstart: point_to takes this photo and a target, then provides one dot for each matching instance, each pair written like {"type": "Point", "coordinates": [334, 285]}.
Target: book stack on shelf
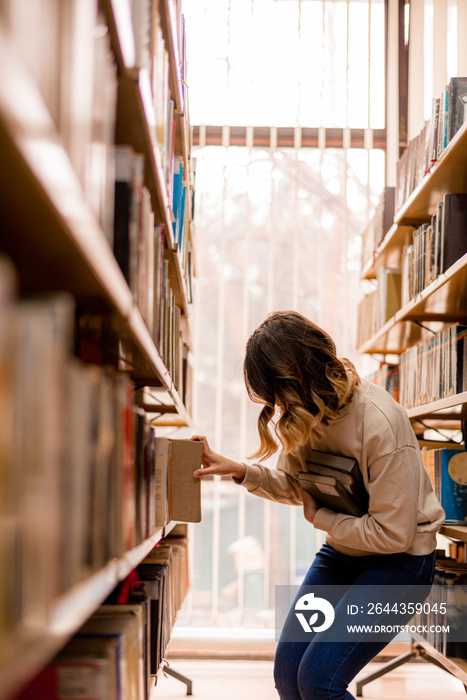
{"type": "Point", "coordinates": [448, 115]}
{"type": "Point", "coordinates": [379, 225]}
{"type": "Point", "coordinates": [388, 378]}
{"type": "Point", "coordinates": [434, 369]}
{"type": "Point", "coordinates": [94, 306]}
{"type": "Point", "coordinates": [72, 65]}
{"type": "Point", "coordinates": [116, 651]}
{"type": "Point", "coordinates": [377, 307]}
{"type": "Point", "coordinates": [436, 246]}
{"type": "Point", "coordinates": [83, 481]}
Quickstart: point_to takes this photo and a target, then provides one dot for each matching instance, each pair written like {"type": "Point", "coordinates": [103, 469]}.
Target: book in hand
{"type": "Point", "coordinates": [184, 488]}
{"type": "Point", "coordinates": [336, 483]}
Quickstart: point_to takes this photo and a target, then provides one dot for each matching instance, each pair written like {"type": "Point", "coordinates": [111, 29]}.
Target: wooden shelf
{"type": "Point", "coordinates": [25, 659]}
{"type": "Point", "coordinates": [392, 338]}
{"type": "Point", "coordinates": [168, 22]}
{"type": "Point", "coordinates": [136, 127]}
{"type": "Point", "coordinates": [136, 122]}
{"type": "Point", "coordinates": [389, 251]}
{"type": "Point", "coordinates": [118, 17]}
{"type": "Point", "coordinates": [57, 242]}
{"type": "Point", "coordinates": [449, 174]}
{"type": "Point", "coordinates": [439, 405]}
{"type": "Point", "coordinates": [442, 302]}
{"type": "Point", "coordinates": [458, 667]}
{"type": "Point", "coordinates": [457, 532]}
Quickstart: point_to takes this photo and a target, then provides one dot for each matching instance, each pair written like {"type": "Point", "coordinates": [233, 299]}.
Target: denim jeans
{"type": "Point", "coordinates": [320, 670]}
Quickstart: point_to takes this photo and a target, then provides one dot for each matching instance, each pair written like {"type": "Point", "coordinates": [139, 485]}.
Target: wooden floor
{"type": "Point", "coordinates": [252, 680]}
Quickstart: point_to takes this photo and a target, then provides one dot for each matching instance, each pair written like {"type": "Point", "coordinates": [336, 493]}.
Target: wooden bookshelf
{"type": "Point", "coordinates": [136, 122]}
{"type": "Point", "coordinates": [66, 248]}
{"type": "Point", "coordinates": [442, 302]}
{"type": "Point", "coordinates": [135, 126]}
{"type": "Point", "coordinates": [56, 242]}
{"type": "Point", "coordinates": [449, 174]}
{"type": "Point", "coordinates": [26, 658]}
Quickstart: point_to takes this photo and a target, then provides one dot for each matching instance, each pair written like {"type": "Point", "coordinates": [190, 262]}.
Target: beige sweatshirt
{"type": "Point", "coordinates": [404, 514]}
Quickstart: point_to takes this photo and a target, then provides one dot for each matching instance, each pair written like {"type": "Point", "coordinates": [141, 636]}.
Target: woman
{"type": "Point", "coordinates": [321, 403]}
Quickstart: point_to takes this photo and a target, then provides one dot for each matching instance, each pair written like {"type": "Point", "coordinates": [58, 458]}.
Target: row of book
{"type": "Point", "coordinates": [115, 652]}
{"type": "Point", "coordinates": [379, 305]}
{"type": "Point", "coordinates": [435, 368]}
{"type": "Point", "coordinates": [152, 55]}
{"type": "Point", "coordinates": [422, 152]}
{"type": "Point", "coordinates": [139, 246]}
{"type": "Point", "coordinates": [458, 551]}
{"type": "Point", "coordinates": [82, 478]}
{"type": "Point", "coordinates": [71, 62]}
{"type": "Point", "coordinates": [81, 96]}
{"type": "Point", "coordinates": [445, 607]}
{"type": "Point", "coordinates": [387, 377]}
{"type": "Point", "coordinates": [436, 245]}
{"type": "Point", "coordinates": [379, 224]}
{"type": "Point", "coordinates": [447, 469]}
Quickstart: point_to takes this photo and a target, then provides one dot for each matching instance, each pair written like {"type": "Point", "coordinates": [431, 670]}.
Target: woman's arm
{"type": "Point", "coordinates": [214, 463]}
{"type": "Point", "coordinates": [273, 484]}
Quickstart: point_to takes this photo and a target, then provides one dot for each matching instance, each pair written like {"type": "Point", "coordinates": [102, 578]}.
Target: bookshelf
{"type": "Point", "coordinates": [447, 175]}
{"type": "Point", "coordinates": [68, 614]}
{"type": "Point", "coordinates": [440, 304]}
{"type": "Point", "coordinates": [57, 242]}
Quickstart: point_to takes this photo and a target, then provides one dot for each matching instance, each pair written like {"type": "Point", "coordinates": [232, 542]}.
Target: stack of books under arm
{"type": "Point", "coordinates": [434, 369]}
{"type": "Point", "coordinates": [448, 115]}
{"type": "Point", "coordinates": [436, 246]}
{"type": "Point", "coordinates": [81, 480]}
{"type": "Point", "coordinates": [335, 482]}
{"type": "Point", "coordinates": [114, 654]}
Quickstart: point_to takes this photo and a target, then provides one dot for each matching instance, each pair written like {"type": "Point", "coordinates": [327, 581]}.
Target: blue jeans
{"type": "Point", "coordinates": [319, 670]}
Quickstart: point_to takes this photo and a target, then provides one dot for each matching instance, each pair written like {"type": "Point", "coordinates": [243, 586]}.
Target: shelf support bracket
{"type": "Point", "coordinates": [416, 651]}
{"type": "Point", "coordinates": [180, 677]}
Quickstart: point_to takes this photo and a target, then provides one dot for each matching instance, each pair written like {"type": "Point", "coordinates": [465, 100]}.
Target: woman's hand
{"type": "Point", "coordinates": [214, 463]}
{"type": "Point", "coordinates": [310, 505]}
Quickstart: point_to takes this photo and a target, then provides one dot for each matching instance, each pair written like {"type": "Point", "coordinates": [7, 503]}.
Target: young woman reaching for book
{"type": "Point", "coordinates": [291, 367]}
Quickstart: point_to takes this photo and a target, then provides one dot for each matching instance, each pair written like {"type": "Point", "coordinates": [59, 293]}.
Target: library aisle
{"type": "Point", "coordinates": [172, 172]}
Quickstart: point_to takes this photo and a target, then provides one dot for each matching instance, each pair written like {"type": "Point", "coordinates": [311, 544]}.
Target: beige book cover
{"type": "Point", "coordinates": [184, 488]}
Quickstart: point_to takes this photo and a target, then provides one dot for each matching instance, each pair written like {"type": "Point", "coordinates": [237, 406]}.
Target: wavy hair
{"type": "Point", "coordinates": [290, 363]}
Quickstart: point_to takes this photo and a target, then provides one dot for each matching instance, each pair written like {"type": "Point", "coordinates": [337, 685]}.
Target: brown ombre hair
{"type": "Point", "coordinates": [291, 363]}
